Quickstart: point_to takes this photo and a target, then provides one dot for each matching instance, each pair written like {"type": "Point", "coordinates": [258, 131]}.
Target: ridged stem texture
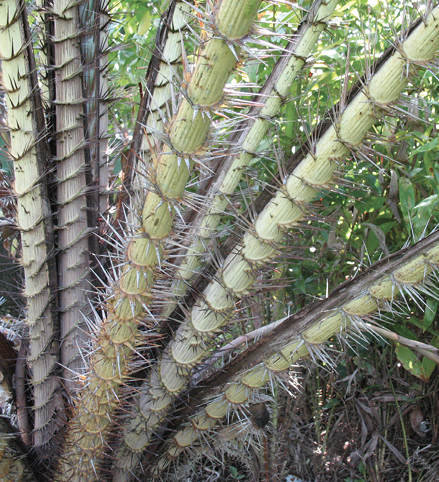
{"type": "Point", "coordinates": [350, 306]}
{"type": "Point", "coordinates": [162, 75]}
{"type": "Point", "coordinates": [118, 335]}
{"type": "Point", "coordinates": [93, 25]}
{"type": "Point", "coordinates": [216, 306]}
{"type": "Point", "coordinates": [33, 215]}
{"type": "Point", "coordinates": [251, 132]}
{"type": "Point", "coordinates": [73, 258]}
{"type": "Point", "coordinates": [188, 133]}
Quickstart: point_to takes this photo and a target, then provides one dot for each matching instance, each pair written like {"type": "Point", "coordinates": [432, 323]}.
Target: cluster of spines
{"type": "Point", "coordinates": [350, 310]}
{"type": "Point", "coordinates": [215, 62]}
{"type": "Point", "coordinates": [57, 276]}
{"type": "Point", "coordinates": [216, 305]}
{"type": "Point", "coordinates": [251, 132]}
{"type": "Point", "coordinates": [34, 219]}
{"type": "Point", "coordinates": [71, 173]}
{"type": "Point", "coordinates": [162, 74]}
{"type": "Point", "coordinates": [116, 339]}
{"type": "Point", "coordinates": [94, 20]}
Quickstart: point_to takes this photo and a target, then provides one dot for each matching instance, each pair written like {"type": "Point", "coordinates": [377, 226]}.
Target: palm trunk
{"type": "Point", "coordinates": [162, 74]}
{"type": "Point", "coordinates": [73, 258]}
{"type": "Point", "coordinates": [249, 135]}
{"type": "Point", "coordinates": [93, 24]}
{"type": "Point", "coordinates": [26, 123]}
{"type": "Point", "coordinates": [118, 335]}
{"type": "Point", "coordinates": [112, 424]}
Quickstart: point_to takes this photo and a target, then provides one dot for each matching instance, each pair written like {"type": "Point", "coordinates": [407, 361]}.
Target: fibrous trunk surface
{"type": "Point", "coordinates": [34, 217]}
{"type": "Point", "coordinates": [174, 136]}
{"type": "Point", "coordinates": [73, 259]}
{"type": "Point", "coordinates": [118, 334]}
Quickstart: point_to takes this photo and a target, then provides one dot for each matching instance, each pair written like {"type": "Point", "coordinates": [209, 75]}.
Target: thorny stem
{"type": "Point", "coordinates": [237, 274]}
{"type": "Point", "coordinates": [374, 290]}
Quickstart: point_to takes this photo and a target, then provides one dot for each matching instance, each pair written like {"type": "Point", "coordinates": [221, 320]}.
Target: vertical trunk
{"type": "Point", "coordinates": [26, 123]}
{"type": "Point", "coordinates": [73, 259]}
{"type": "Point", "coordinates": [133, 294]}
{"type": "Point", "coordinates": [93, 21]}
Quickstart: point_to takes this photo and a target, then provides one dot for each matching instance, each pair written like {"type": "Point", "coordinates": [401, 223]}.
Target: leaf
{"type": "Point", "coordinates": [233, 471]}
{"type": "Point", "coordinates": [331, 403]}
{"type": "Point", "coordinates": [422, 214]}
{"type": "Point", "coordinates": [428, 367]}
{"type": "Point", "coordinates": [380, 235]}
{"type": "Point", "coordinates": [419, 368]}
{"type": "Point", "coordinates": [409, 359]}
{"type": "Point", "coordinates": [428, 202]}
{"type": "Point", "coordinates": [407, 198]}
{"type": "Point", "coordinates": [430, 312]}
{"type": "Point", "coordinates": [427, 147]}
{"type": "Point", "coordinates": [392, 198]}
{"type": "Point", "coordinates": [144, 24]}
{"type": "Point", "coordinates": [369, 204]}
{"type": "Point", "coordinates": [406, 332]}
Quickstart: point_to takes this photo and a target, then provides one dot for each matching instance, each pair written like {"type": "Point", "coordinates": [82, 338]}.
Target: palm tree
{"type": "Point", "coordinates": [190, 237]}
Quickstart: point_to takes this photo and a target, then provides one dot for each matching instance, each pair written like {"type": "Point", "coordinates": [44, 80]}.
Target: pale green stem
{"type": "Point", "coordinates": [252, 131]}
{"type": "Point", "coordinates": [302, 333]}
{"type": "Point", "coordinates": [214, 309]}
{"type": "Point", "coordinates": [117, 338]}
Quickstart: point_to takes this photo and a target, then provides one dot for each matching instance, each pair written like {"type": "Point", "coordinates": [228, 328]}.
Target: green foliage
{"type": "Point", "coordinates": [382, 208]}
{"type": "Point", "coordinates": [133, 34]}
{"type": "Point", "coordinates": [235, 474]}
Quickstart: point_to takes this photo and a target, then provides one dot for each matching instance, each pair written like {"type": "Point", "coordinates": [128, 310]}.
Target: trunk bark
{"type": "Point", "coordinates": [118, 334]}
{"type": "Point", "coordinates": [26, 124]}
{"type": "Point", "coordinates": [73, 258]}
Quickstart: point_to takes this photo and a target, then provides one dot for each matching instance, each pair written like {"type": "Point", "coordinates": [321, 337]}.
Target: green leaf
{"type": "Point", "coordinates": [427, 147]}
{"type": "Point", "coordinates": [422, 214]}
{"type": "Point", "coordinates": [428, 367]}
{"type": "Point", "coordinates": [408, 359]}
{"type": "Point", "coordinates": [369, 204]}
{"type": "Point", "coordinates": [144, 24]}
{"type": "Point", "coordinates": [430, 312]}
{"type": "Point", "coordinates": [407, 197]}
{"type": "Point", "coordinates": [419, 368]}
{"type": "Point", "coordinates": [428, 202]}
